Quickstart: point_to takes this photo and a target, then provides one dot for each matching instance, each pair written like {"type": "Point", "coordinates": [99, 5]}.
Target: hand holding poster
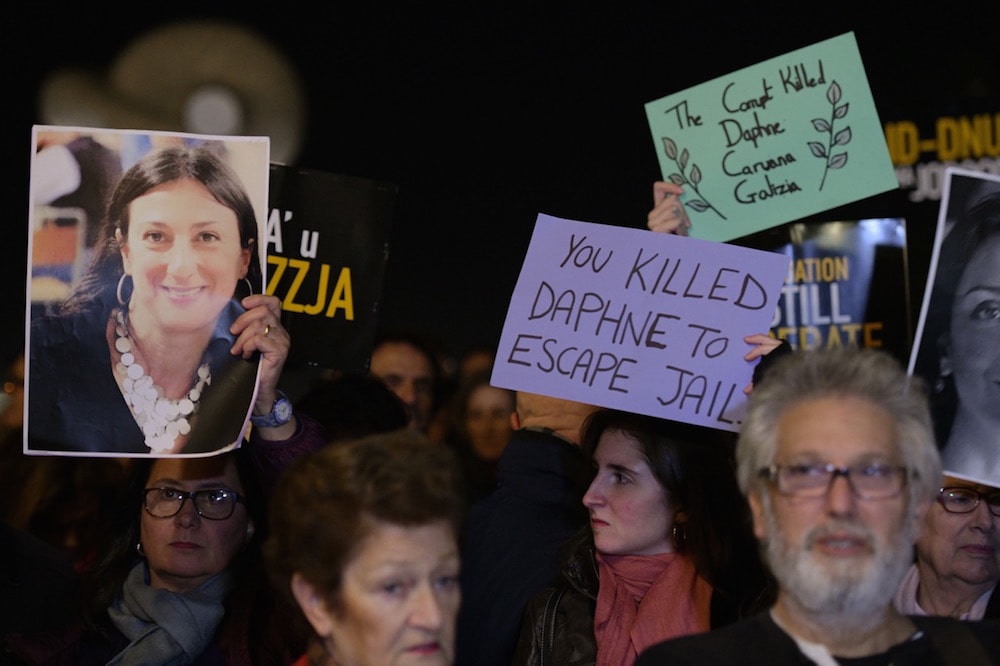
{"type": "Point", "coordinates": [631, 319]}
{"type": "Point", "coordinates": [774, 142]}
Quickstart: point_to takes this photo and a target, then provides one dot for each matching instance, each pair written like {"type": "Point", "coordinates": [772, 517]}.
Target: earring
{"type": "Point", "coordinates": [944, 372]}
{"type": "Point", "coordinates": [678, 535]}
{"type": "Point", "coordinates": [236, 293]}
{"type": "Point", "coordinates": [121, 288]}
{"type": "Point", "coordinates": [138, 549]}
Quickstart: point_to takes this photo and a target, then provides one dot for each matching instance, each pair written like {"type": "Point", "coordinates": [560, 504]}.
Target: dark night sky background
{"type": "Point", "coordinates": [484, 115]}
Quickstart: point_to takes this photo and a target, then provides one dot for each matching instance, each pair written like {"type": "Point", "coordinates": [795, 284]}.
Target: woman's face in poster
{"type": "Point", "coordinates": [974, 351]}
{"type": "Point", "coordinates": [184, 255]}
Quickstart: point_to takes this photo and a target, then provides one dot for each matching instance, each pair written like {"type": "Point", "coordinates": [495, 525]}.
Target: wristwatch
{"type": "Point", "coordinates": [280, 414]}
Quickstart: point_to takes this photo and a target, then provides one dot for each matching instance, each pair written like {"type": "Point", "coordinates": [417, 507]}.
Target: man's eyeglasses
{"type": "Point", "coordinates": [868, 482]}
{"type": "Point", "coordinates": [965, 500]}
{"type": "Point", "coordinates": [214, 503]}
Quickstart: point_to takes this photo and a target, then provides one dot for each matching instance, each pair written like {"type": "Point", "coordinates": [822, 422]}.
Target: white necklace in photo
{"type": "Point", "coordinates": [161, 419]}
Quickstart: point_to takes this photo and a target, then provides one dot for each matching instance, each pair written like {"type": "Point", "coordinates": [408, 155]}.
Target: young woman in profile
{"type": "Point", "coordinates": [669, 550]}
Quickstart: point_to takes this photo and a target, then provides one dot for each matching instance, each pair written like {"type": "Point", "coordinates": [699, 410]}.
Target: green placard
{"type": "Point", "coordinates": [775, 142]}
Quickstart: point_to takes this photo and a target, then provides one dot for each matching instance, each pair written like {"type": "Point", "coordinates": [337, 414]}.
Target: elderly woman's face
{"type": "Point", "coordinates": [399, 599]}
{"type": "Point", "coordinates": [963, 548]}
{"type": "Point", "coordinates": [975, 331]}
{"type": "Point", "coordinates": [184, 255]}
{"type": "Point", "coordinates": [185, 550]}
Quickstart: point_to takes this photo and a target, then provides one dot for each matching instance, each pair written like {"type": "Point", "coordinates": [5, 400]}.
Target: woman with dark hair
{"type": "Point", "coordinates": [149, 337]}
{"type": "Point", "coordinates": [669, 549]}
{"type": "Point", "coordinates": [959, 351]}
{"type": "Point", "coordinates": [480, 427]}
{"type": "Point", "coordinates": [364, 540]}
{"type": "Point", "coordinates": [183, 582]}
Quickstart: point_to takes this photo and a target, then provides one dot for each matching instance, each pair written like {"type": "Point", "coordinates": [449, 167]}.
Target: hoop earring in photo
{"type": "Point", "coordinates": [237, 296]}
{"type": "Point", "coordinates": [121, 288]}
{"type": "Point", "coordinates": [943, 375]}
{"type": "Point", "coordinates": [941, 383]}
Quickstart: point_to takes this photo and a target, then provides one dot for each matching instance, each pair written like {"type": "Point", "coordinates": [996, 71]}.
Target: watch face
{"type": "Point", "coordinates": [283, 410]}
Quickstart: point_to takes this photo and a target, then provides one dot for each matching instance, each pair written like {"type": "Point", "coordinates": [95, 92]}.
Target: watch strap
{"type": "Point", "coordinates": [272, 419]}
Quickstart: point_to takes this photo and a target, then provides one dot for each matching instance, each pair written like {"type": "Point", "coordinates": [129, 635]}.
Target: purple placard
{"type": "Point", "coordinates": [631, 319]}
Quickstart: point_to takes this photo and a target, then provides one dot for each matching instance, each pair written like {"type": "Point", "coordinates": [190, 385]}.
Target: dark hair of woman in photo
{"type": "Point", "coordinates": [669, 549]}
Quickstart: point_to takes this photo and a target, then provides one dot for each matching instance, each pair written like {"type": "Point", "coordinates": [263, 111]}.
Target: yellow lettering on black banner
{"type": "Point", "coordinates": [342, 297]}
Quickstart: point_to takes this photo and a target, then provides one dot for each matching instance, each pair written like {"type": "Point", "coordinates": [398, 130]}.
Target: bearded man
{"type": "Point", "coordinates": [838, 460]}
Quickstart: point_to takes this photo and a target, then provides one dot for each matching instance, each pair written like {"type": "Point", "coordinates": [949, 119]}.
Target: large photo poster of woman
{"type": "Point", "coordinates": [141, 247]}
{"type": "Point", "coordinates": [957, 346]}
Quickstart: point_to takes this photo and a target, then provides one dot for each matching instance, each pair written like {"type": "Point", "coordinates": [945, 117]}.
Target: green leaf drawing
{"type": "Point", "coordinates": [670, 148]}
{"type": "Point", "coordinates": [692, 179]}
{"type": "Point", "coordinates": [838, 160]}
{"type": "Point", "coordinates": [817, 149]}
{"type": "Point", "coordinates": [833, 93]}
{"type": "Point", "coordinates": [826, 126]}
{"type": "Point", "coordinates": [842, 137]}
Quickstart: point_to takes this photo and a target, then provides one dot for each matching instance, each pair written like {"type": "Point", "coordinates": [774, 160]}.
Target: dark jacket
{"type": "Point", "coordinates": [514, 539]}
{"type": "Point", "coordinates": [944, 641]}
{"type": "Point", "coordinates": [993, 606]}
{"type": "Point", "coordinates": [272, 457]}
{"type": "Point", "coordinates": [558, 624]}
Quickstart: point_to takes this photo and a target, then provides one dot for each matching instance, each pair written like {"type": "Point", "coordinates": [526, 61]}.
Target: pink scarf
{"type": "Point", "coordinates": [643, 600]}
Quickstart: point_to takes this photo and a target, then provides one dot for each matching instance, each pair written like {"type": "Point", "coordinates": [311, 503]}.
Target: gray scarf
{"type": "Point", "coordinates": [166, 627]}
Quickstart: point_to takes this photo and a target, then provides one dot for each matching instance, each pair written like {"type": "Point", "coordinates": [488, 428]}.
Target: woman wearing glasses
{"type": "Point", "coordinates": [957, 555]}
{"type": "Point", "coordinates": [184, 582]}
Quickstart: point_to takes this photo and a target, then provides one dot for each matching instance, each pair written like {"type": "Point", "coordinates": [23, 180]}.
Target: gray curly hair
{"type": "Point", "coordinates": [868, 374]}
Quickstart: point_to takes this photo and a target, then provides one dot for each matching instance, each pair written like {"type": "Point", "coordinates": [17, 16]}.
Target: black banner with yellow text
{"type": "Point", "coordinates": [327, 246]}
